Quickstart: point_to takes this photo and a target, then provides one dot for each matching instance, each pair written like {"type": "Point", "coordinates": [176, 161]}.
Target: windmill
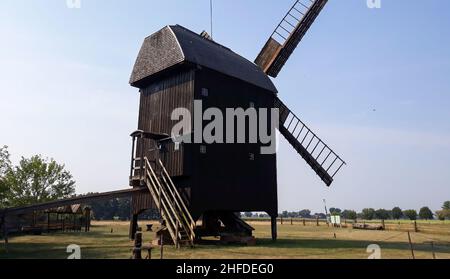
{"type": "Point", "coordinates": [195, 180]}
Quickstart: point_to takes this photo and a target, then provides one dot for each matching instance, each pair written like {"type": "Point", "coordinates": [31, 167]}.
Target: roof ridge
{"type": "Point", "coordinates": [203, 38]}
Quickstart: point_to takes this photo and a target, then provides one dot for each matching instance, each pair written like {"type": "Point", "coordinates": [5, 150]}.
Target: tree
{"type": "Point", "coordinates": [443, 214]}
{"type": "Point", "coordinates": [335, 211]}
{"type": "Point", "coordinates": [397, 213]}
{"type": "Point", "coordinates": [425, 213]}
{"type": "Point", "coordinates": [446, 205]}
{"type": "Point", "coordinates": [368, 213]}
{"type": "Point", "coordinates": [411, 214]}
{"type": "Point", "coordinates": [349, 214]}
{"type": "Point", "coordinates": [382, 214]}
{"type": "Point", "coordinates": [5, 166]}
{"type": "Point", "coordinates": [320, 216]}
{"type": "Point", "coordinates": [38, 180]}
{"type": "Point", "coordinates": [305, 213]}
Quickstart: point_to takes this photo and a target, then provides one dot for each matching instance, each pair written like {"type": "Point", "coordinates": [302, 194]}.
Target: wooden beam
{"type": "Point", "coordinates": [71, 201]}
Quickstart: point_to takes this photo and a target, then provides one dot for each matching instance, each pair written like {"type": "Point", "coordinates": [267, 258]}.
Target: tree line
{"type": "Point", "coordinates": [425, 213]}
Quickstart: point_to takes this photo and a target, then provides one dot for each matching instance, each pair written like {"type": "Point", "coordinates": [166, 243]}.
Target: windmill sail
{"type": "Point", "coordinates": [288, 35]}
{"type": "Point", "coordinates": [324, 161]}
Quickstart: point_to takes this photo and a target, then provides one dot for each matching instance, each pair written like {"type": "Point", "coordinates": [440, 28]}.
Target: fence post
{"type": "Point", "coordinates": [137, 255]}
{"type": "Point", "coordinates": [416, 229]}
{"type": "Point", "coordinates": [317, 221]}
{"type": "Point", "coordinates": [383, 224]}
{"type": "Point", "coordinates": [292, 222]}
{"type": "Point", "coordinates": [281, 220]}
{"type": "Point", "coordinates": [304, 222]}
{"type": "Point", "coordinates": [411, 246]}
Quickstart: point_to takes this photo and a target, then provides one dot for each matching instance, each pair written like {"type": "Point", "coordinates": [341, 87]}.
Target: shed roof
{"type": "Point", "coordinates": [175, 44]}
{"type": "Point", "coordinates": [67, 209]}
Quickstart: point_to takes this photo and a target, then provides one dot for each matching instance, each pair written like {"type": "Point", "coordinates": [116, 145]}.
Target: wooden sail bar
{"type": "Point", "coordinates": [288, 34]}
{"type": "Point", "coordinates": [322, 159]}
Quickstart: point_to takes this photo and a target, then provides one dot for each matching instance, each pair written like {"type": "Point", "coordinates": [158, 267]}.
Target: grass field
{"type": "Point", "coordinates": [295, 241]}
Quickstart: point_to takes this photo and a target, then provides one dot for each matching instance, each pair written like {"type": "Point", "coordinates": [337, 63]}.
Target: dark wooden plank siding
{"type": "Point", "coordinates": [141, 202]}
{"type": "Point", "coordinates": [225, 179]}
{"type": "Point", "coordinates": [157, 103]}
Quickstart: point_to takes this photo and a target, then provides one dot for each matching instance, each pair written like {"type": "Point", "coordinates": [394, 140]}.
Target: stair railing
{"type": "Point", "coordinates": [187, 221]}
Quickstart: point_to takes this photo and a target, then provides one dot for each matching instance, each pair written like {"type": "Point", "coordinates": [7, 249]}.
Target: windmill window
{"type": "Point", "coordinates": [177, 146]}
{"type": "Point", "coordinates": [202, 149]}
{"type": "Point", "coordinates": [205, 92]}
{"type": "Point", "coordinates": [252, 104]}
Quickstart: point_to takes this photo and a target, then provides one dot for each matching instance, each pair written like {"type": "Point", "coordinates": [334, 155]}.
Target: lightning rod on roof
{"type": "Point", "coordinates": [211, 16]}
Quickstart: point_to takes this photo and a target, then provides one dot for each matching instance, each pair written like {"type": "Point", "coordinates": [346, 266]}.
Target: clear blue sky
{"type": "Point", "coordinates": [64, 90]}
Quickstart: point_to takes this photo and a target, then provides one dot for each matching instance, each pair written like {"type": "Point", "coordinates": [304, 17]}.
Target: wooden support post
{"type": "Point", "coordinates": [292, 222]}
{"type": "Point", "coordinates": [88, 213]}
{"type": "Point", "coordinates": [281, 220]}
{"type": "Point", "coordinates": [274, 227]}
{"type": "Point", "coordinates": [132, 157]}
{"type": "Point", "coordinates": [86, 220]}
{"type": "Point", "coordinates": [411, 246]}
{"type": "Point", "coordinates": [416, 229]}
{"type": "Point", "coordinates": [137, 251]}
{"type": "Point", "coordinates": [141, 170]}
{"type": "Point", "coordinates": [133, 226]}
{"type": "Point", "coordinates": [383, 224]}
{"type": "Point", "coordinates": [304, 222]}
{"type": "Point", "coordinates": [317, 221]}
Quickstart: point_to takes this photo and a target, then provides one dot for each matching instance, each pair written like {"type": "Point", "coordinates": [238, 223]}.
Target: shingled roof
{"type": "Point", "coordinates": [174, 45]}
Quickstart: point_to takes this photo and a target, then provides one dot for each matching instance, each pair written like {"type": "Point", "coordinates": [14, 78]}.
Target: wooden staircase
{"type": "Point", "coordinates": [324, 161]}
{"type": "Point", "coordinates": [177, 218]}
{"type": "Point", "coordinates": [288, 34]}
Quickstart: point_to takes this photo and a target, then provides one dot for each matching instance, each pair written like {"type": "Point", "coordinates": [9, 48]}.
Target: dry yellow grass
{"type": "Point", "coordinates": [295, 241]}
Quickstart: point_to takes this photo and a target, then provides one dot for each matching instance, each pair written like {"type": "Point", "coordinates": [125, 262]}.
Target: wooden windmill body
{"type": "Point", "coordinates": [176, 68]}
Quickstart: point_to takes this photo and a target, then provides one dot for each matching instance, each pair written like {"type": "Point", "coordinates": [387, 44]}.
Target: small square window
{"type": "Point", "coordinates": [205, 92]}
{"type": "Point", "coordinates": [177, 146]}
{"type": "Point", "coordinates": [251, 156]}
{"type": "Point", "coordinates": [202, 149]}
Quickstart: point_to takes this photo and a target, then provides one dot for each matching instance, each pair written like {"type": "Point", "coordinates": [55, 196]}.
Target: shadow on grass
{"type": "Point", "coordinates": [343, 244]}
{"type": "Point", "coordinates": [326, 244]}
